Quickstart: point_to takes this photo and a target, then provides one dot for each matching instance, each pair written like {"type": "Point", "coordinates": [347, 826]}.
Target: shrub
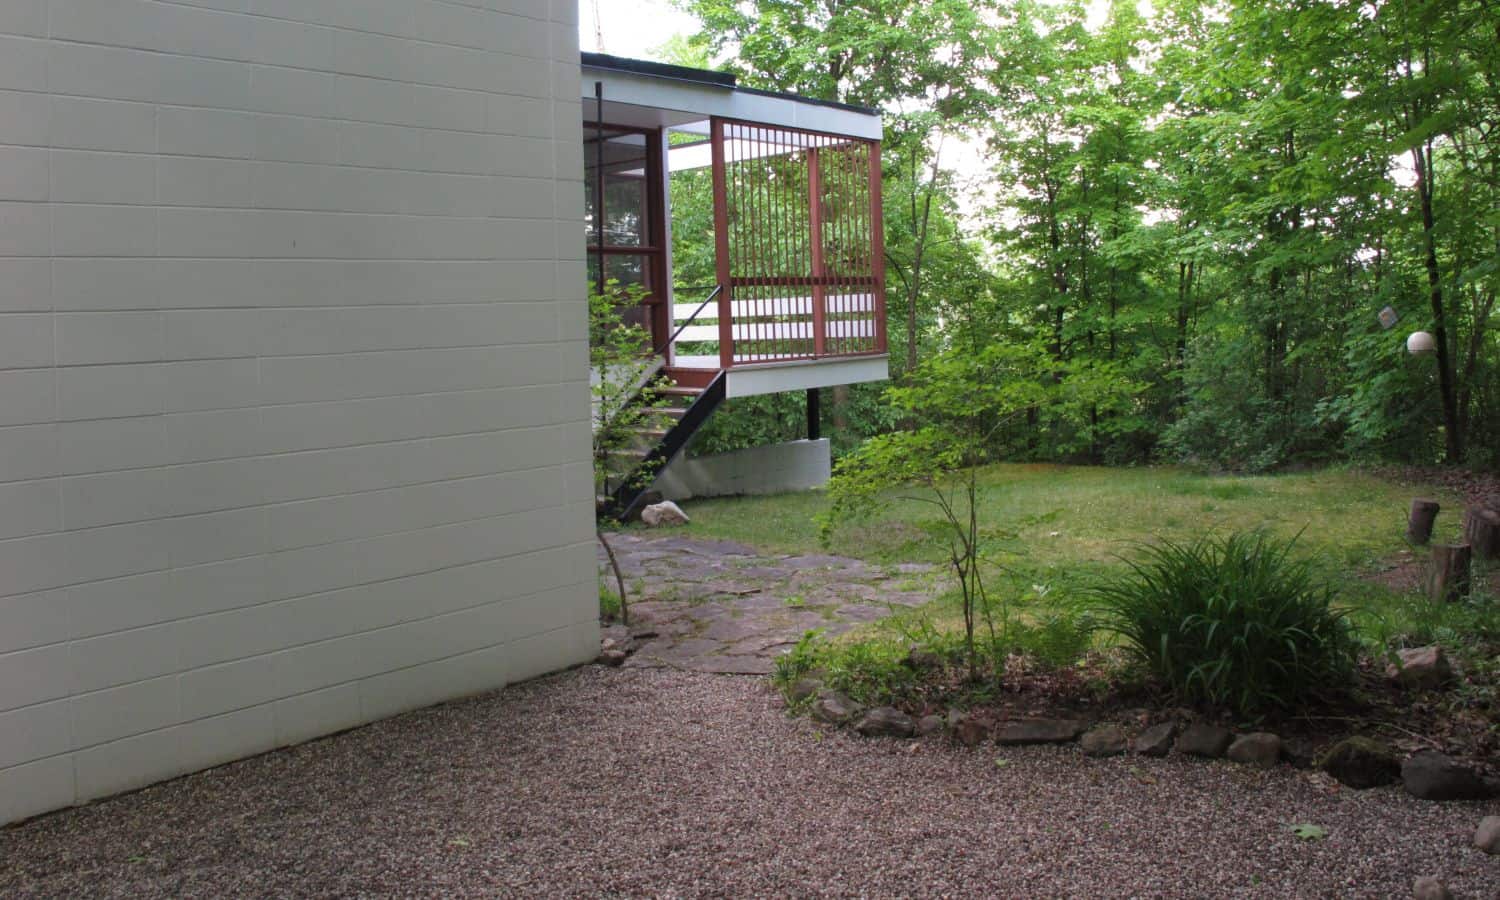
{"type": "Point", "coordinates": [870, 671]}
{"type": "Point", "coordinates": [609, 602]}
{"type": "Point", "coordinates": [1233, 621]}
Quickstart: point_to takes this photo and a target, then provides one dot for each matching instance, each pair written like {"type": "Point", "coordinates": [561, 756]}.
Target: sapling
{"type": "Point", "coordinates": [958, 404]}
{"type": "Point", "coordinates": [625, 389]}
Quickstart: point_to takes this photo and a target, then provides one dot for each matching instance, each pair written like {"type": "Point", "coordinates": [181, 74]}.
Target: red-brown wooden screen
{"type": "Point", "coordinates": [797, 218]}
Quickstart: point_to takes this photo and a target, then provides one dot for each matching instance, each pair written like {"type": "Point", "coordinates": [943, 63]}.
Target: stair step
{"type": "Point", "coordinates": [636, 452]}
{"type": "Point", "coordinates": [675, 412]}
{"type": "Point", "coordinates": [679, 391]}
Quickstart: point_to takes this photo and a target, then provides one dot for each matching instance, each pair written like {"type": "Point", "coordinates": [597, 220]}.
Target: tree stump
{"type": "Point", "coordinates": [1419, 522]}
{"type": "Point", "coordinates": [1482, 531]}
{"type": "Point", "coordinates": [1448, 579]}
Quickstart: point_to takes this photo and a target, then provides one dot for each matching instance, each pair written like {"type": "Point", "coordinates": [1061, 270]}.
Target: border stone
{"type": "Point", "coordinates": [1018, 732]}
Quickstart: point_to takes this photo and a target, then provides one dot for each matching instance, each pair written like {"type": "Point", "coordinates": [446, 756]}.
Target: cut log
{"type": "Point", "coordinates": [1419, 522]}
{"type": "Point", "coordinates": [1482, 531]}
{"type": "Point", "coordinates": [1448, 579]}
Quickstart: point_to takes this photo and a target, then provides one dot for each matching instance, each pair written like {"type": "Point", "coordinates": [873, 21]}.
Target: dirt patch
{"type": "Point", "coordinates": [1471, 486]}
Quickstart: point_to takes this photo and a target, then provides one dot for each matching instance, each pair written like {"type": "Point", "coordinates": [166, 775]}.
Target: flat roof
{"type": "Point", "coordinates": [707, 77]}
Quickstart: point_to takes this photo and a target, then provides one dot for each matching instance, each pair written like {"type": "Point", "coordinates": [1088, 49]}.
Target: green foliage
{"type": "Point", "coordinates": [1056, 636]}
{"type": "Point", "coordinates": [1187, 198]}
{"type": "Point", "coordinates": [610, 605]}
{"type": "Point", "coordinates": [957, 405]}
{"type": "Point", "coordinates": [1393, 621]}
{"type": "Point", "coordinates": [869, 671]}
{"type": "Point", "coordinates": [623, 387]}
{"type": "Point", "coordinates": [1308, 832]}
{"type": "Point", "coordinates": [1227, 422]}
{"type": "Point", "coordinates": [870, 666]}
{"type": "Point", "coordinates": [621, 370]}
{"type": "Point", "coordinates": [1236, 621]}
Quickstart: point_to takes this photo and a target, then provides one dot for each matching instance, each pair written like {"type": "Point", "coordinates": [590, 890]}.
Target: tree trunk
{"type": "Point", "coordinates": [1419, 522]}
{"type": "Point", "coordinates": [1482, 531]}
{"type": "Point", "coordinates": [619, 576]}
{"type": "Point", "coordinates": [1453, 429]}
{"type": "Point", "coordinates": [1448, 579]}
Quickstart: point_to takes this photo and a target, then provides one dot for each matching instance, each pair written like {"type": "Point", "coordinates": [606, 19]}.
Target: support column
{"type": "Point", "coordinates": [814, 415]}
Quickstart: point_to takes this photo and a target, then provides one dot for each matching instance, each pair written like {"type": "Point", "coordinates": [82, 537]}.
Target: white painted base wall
{"type": "Point", "coordinates": [774, 469]}
{"type": "Point", "coordinates": [294, 407]}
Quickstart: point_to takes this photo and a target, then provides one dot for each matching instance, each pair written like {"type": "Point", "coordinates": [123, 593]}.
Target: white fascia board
{"type": "Point", "coordinates": [700, 101]}
{"type": "Point", "coordinates": [773, 378]}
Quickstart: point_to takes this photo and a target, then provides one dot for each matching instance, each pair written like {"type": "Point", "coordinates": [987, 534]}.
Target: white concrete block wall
{"type": "Point", "coordinates": [293, 380]}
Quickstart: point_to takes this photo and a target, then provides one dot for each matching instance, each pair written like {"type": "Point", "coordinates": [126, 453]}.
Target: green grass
{"type": "Point", "coordinates": [1086, 514]}
{"type": "Point", "coordinates": [1060, 528]}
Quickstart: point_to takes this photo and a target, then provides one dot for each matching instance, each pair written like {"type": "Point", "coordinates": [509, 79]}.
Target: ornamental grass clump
{"type": "Point", "coordinates": [1235, 622]}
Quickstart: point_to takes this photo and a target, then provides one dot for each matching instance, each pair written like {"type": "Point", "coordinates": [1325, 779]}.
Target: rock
{"type": "Point", "coordinates": [1299, 752]}
{"type": "Point", "coordinates": [929, 725]}
{"type": "Point", "coordinates": [971, 731]}
{"type": "Point", "coordinates": [1436, 776]}
{"type": "Point", "coordinates": [664, 513]}
{"type": "Point", "coordinates": [1203, 739]}
{"type": "Point", "coordinates": [1261, 749]}
{"type": "Point", "coordinates": [1429, 888]}
{"type": "Point", "coordinates": [803, 689]}
{"type": "Point", "coordinates": [834, 708]}
{"type": "Point", "coordinates": [1156, 740]}
{"type": "Point", "coordinates": [1106, 740]}
{"type": "Point", "coordinates": [919, 657]}
{"type": "Point", "coordinates": [1421, 668]}
{"type": "Point", "coordinates": [1038, 731]}
{"type": "Point", "coordinates": [1361, 762]}
{"type": "Point", "coordinates": [1487, 838]}
{"type": "Point", "coordinates": [886, 721]}
{"type": "Point", "coordinates": [611, 657]}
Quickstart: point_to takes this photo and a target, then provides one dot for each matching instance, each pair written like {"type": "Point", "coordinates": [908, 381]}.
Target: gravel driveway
{"type": "Point", "coordinates": [646, 782]}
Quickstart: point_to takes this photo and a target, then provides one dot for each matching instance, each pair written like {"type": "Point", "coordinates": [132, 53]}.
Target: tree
{"type": "Point", "coordinates": [959, 403]}
{"type": "Point", "coordinates": [623, 384]}
{"type": "Point", "coordinates": [1215, 200]}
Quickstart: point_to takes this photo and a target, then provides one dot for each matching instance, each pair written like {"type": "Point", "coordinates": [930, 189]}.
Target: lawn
{"type": "Point", "coordinates": [1056, 528]}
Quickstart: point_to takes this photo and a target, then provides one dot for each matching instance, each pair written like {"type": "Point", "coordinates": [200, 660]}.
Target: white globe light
{"type": "Point", "coordinates": [1420, 342]}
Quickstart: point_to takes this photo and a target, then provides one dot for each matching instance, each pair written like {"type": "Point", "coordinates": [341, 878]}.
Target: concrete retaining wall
{"type": "Point", "coordinates": [775, 469]}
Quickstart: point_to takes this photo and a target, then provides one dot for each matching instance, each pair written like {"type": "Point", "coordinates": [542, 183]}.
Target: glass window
{"type": "Point", "coordinates": [627, 187]}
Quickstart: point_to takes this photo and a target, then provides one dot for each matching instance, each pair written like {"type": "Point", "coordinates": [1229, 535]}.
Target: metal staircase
{"type": "Point", "coordinates": [681, 411]}
{"type": "Point", "coordinates": [675, 406]}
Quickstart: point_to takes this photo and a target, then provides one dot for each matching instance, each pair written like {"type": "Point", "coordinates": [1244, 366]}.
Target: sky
{"type": "Point", "coordinates": [635, 28]}
{"type": "Point", "coordinates": [631, 28]}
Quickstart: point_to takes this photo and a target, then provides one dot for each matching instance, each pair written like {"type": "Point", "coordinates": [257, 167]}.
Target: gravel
{"type": "Point", "coordinates": [661, 783]}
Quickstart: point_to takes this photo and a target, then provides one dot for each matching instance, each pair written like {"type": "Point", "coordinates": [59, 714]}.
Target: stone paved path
{"type": "Point", "coordinates": [717, 606]}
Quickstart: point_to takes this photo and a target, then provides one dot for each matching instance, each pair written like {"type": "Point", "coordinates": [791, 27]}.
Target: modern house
{"type": "Point", "coordinates": [294, 405]}
{"type": "Point", "coordinates": [797, 299]}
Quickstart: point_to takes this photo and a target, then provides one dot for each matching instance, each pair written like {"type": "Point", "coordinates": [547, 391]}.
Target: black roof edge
{"type": "Point", "coordinates": [831, 104]}
{"type": "Point", "coordinates": [706, 77]}
{"type": "Point", "coordinates": [658, 70]}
